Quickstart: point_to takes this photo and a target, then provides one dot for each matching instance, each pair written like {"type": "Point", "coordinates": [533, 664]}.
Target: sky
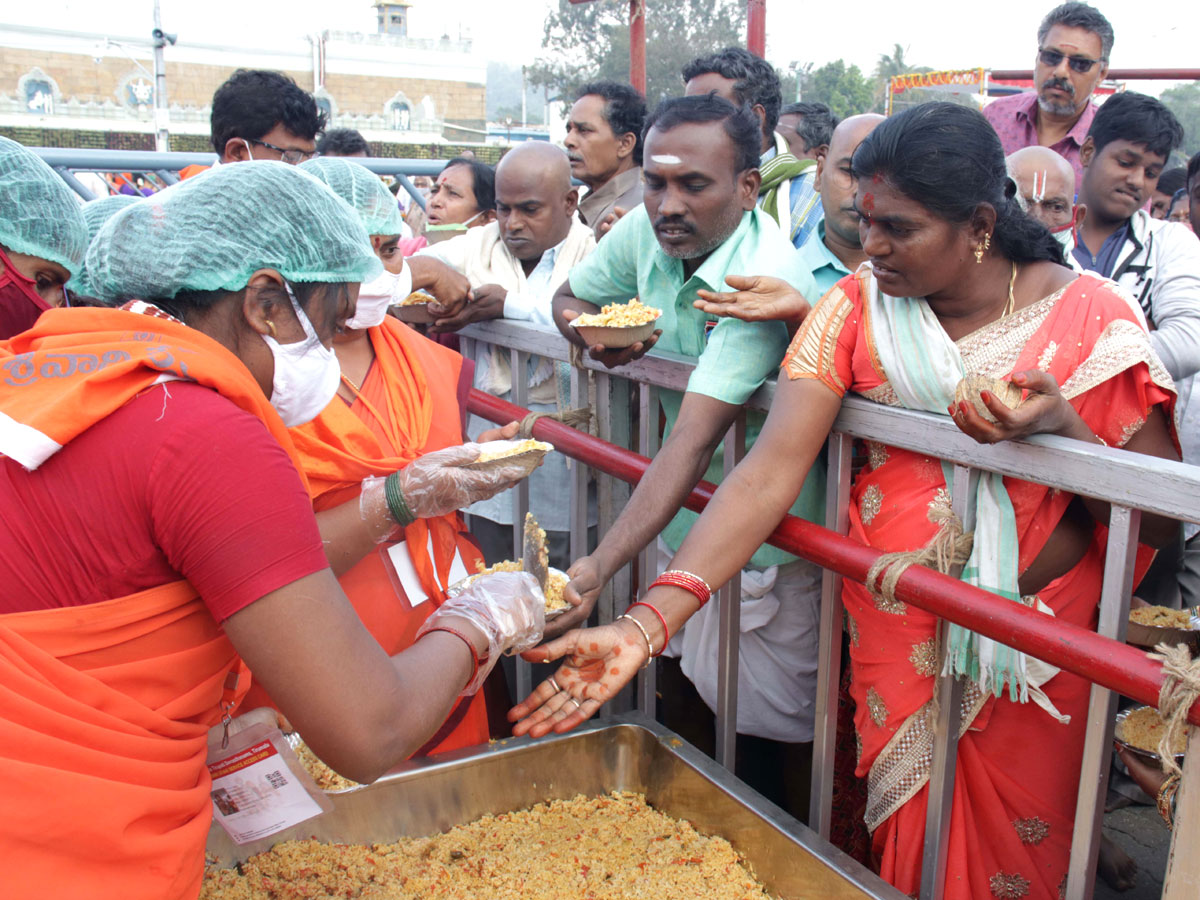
{"type": "Point", "coordinates": [942, 34]}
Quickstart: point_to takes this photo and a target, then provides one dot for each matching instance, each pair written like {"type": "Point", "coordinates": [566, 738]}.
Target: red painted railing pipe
{"type": "Point", "coordinates": [756, 27]}
{"type": "Point", "coordinates": [1113, 74]}
{"type": "Point", "coordinates": [1114, 665]}
{"type": "Point", "coordinates": [637, 45]}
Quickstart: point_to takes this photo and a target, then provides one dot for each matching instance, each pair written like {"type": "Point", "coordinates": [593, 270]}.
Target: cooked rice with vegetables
{"type": "Point", "coordinates": [416, 298]}
{"type": "Point", "coordinates": [1143, 728]}
{"type": "Point", "coordinates": [1161, 617]}
{"type": "Point", "coordinates": [620, 315]}
{"type": "Point", "coordinates": [555, 584]}
{"type": "Point", "coordinates": [325, 777]}
{"type": "Point", "coordinates": [605, 848]}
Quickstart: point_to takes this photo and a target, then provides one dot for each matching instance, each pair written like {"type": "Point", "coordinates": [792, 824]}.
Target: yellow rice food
{"type": "Point", "coordinates": [1143, 728]}
{"type": "Point", "coordinates": [513, 449]}
{"type": "Point", "coordinates": [325, 777]}
{"type": "Point", "coordinates": [620, 315]}
{"type": "Point", "coordinates": [555, 584]}
{"type": "Point", "coordinates": [604, 848]}
{"type": "Point", "coordinates": [416, 298]}
{"type": "Point", "coordinates": [1161, 617]}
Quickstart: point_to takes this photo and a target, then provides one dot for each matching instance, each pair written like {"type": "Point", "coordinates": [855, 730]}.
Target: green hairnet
{"type": "Point", "coordinates": [213, 231]}
{"type": "Point", "coordinates": [97, 212]}
{"type": "Point", "coordinates": [39, 214]}
{"type": "Point", "coordinates": [362, 189]}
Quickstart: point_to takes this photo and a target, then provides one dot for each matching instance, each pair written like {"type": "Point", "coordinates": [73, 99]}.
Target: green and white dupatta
{"type": "Point", "coordinates": [923, 366]}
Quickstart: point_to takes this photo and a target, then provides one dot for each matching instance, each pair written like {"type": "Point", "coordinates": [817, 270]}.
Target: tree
{"type": "Point", "coordinates": [1184, 101]}
{"type": "Point", "coordinates": [591, 40]}
{"type": "Point", "coordinates": [846, 91]}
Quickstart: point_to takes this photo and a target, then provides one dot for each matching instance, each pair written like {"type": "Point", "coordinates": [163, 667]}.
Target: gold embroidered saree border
{"type": "Point", "coordinates": [902, 767]}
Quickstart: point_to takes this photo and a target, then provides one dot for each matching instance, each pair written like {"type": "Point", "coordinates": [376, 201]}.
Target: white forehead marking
{"type": "Point", "coordinates": [666, 159]}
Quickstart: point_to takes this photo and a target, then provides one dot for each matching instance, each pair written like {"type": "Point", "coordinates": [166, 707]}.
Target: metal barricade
{"type": "Point", "coordinates": [67, 162]}
{"type": "Point", "coordinates": [1130, 482]}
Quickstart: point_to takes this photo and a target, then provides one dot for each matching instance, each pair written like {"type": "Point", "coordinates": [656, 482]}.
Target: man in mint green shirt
{"type": "Point", "coordinates": [697, 225]}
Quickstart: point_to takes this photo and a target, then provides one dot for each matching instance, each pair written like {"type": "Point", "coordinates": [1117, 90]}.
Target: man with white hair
{"type": "Point", "coordinates": [1046, 191]}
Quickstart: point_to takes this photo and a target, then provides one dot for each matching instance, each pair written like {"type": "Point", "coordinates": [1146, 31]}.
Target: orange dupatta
{"type": "Point", "coordinates": [104, 708]}
{"type": "Point", "coordinates": [407, 405]}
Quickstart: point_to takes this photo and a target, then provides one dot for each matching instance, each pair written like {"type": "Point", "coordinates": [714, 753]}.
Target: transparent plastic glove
{"type": "Point", "coordinates": [433, 485]}
{"type": "Point", "coordinates": [436, 483]}
{"type": "Point", "coordinates": [508, 607]}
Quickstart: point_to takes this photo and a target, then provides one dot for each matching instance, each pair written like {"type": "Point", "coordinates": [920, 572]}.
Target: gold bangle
{"type": "Point", "coordinates": [645, 634]}
{"type": "Point", "coordinates": [1166, 794]}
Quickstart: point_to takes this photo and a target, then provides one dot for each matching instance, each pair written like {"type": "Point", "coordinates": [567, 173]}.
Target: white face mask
{"type": "Point", "coordinates": [306, 374]}
{"type": "Point", "coordinates": [1065, 235]}
{"type": "Point", "coordinates": [376, 295]}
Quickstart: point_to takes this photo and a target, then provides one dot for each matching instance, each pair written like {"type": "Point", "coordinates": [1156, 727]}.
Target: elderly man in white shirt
{"type": "Point", "coordinates": [515, 265]}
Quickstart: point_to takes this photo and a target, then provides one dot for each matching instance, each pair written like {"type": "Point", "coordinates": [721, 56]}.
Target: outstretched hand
{"type": "Point", "coordinates": [581, 592]}
{"type": "Point", "coordinates": [755, 298]}
{"type": "Point", "coordinates": [619, 356]}
{"type": "Point", "coordinates": [1043, 411]}
{"type": "Point", "coordinates": [599, 662]}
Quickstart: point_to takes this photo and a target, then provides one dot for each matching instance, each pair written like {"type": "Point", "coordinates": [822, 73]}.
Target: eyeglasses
{"type": "Point", "coordinates": [1080, 64]}
{"type": "Point", "coordinates": [291, 157]}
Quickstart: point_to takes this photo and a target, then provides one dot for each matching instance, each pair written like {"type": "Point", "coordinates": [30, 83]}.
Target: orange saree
{"type": "Point", "coordinates": [1014, 794]}
{"type": "Point", "coordinates": [104, 707]}
{"type": "Point", "coordinates": [407, 406]}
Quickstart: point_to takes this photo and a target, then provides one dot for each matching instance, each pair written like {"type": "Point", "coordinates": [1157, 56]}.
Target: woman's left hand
{"type": "Point", "coordinates": [1043, 411]}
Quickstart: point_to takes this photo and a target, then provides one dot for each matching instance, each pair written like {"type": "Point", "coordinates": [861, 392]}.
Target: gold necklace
{"type": "Point", "coordinates": [1009, 307]}
{"type": "Point", "coordinates": [354, 387]}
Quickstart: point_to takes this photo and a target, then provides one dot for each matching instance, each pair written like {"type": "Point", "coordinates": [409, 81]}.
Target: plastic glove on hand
{"type": "Point", "coordinates": [436, 483]}
{"type": "Point", "coordinates": [508, 607]}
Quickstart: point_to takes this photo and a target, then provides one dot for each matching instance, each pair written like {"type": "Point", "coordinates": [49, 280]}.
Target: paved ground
{"type": "Point", "coordinates": [1140, 832]}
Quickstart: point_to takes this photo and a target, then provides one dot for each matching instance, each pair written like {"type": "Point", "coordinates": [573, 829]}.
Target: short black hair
{"type": "Point", "coordinates": [1079, 15]}
{"type": "Point", "coordinates": [1139, 119]}
{"type": "Point", "coordinates": [253, 101]}
{"type": "Point", "coordinates": [483, 181]}
{"type": "Point", "coordinates": [342, 142]}
{"type": "Point", "coordinates": [817, 122]}
{"type": "Point", "coordinates": [1193, 168]}
{"type": "Point", "coordinates": [756, 83]}
{"type": "Point", "coordinates": [1180, 194]}
{"type": "Point", "coordinates": [1172, 180]}
{"type": "Point", "coordinates": [741, 125]}
{"type": "Point", "coordinates": [624, 109]}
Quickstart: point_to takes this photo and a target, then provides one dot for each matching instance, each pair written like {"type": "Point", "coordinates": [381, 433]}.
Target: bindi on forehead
{"type": "Point", "coordinates": [869, 202]}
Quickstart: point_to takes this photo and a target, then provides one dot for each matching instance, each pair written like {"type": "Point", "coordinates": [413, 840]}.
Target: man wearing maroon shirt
{"type": "Point", "coordinates": [1074, 43]}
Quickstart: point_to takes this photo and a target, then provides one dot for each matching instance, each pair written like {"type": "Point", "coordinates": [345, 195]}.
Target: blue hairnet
{"type": "Point", "coordinates": [213, 231]}
{"type": "Point", "coordinates": [39, 214]}
{"type": "Point", "coordinates": [362, 189]}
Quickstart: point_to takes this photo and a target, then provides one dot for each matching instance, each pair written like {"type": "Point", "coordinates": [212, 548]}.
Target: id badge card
{"type": "Point", "coordinates": [404, 574]}
{"type": "Point", "coordinates": [259, 786]}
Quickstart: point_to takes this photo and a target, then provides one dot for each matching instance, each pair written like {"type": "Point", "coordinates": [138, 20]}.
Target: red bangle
{"type": "Point", "coordinates": [466, 640]}
{"type": "Point", "coordinates": [693, 584]}
{"type": "Point", "coordinates": [666, 630]}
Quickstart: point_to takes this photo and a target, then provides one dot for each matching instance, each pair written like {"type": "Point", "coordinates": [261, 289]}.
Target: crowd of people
{"type": "Point", "coordinates": [230, 480]}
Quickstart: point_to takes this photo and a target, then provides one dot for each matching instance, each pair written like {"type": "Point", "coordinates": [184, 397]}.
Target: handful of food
{"type": "Point", "coordinates": [969, 388]}
{"type": "Point", "coordinates": [1141, 729]}
{"type": "Point", "coordinates": [555, 584]}
{"type": "Point", "coordinates": [499, 454]}
{"type": "Point", "coordinates": [618, 324]}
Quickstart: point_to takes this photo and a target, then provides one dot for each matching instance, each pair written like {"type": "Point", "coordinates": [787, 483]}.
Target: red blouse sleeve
{"type": "Point", "coordinates": [229, 510]}
{"type": "Point", "coordinates": [823, 348]}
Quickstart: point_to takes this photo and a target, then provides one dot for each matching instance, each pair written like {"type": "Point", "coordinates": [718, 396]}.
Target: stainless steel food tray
{"type": "Point", "coordinates": [626, 753]}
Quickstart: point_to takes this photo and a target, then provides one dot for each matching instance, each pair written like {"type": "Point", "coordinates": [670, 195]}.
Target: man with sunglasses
{"type": "Point", "coordinates": [1074, 43]}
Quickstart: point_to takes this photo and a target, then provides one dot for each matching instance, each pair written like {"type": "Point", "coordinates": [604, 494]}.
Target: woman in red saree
{"type": "Point", "coordinates": [957, 281]}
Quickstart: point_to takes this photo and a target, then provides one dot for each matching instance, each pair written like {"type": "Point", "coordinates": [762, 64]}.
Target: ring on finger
{"type": "Point", "coordinates": [554, 684]}
{"type": "Point", "coordinates": [578, 705]}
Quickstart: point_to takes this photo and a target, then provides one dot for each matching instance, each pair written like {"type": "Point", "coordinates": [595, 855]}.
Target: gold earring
{"type": "Point", "coordinates": [271, 325]}
{"type": "Point", "coordinates": [978, 254]}
{"type": "Point", "coordinates": [987, 242]}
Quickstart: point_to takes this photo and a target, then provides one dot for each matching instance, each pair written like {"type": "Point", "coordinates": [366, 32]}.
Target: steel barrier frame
{"type": "Point", "coordinates": [66, 162]}
{"type": "Point", "coordinates": [1130, 482]}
